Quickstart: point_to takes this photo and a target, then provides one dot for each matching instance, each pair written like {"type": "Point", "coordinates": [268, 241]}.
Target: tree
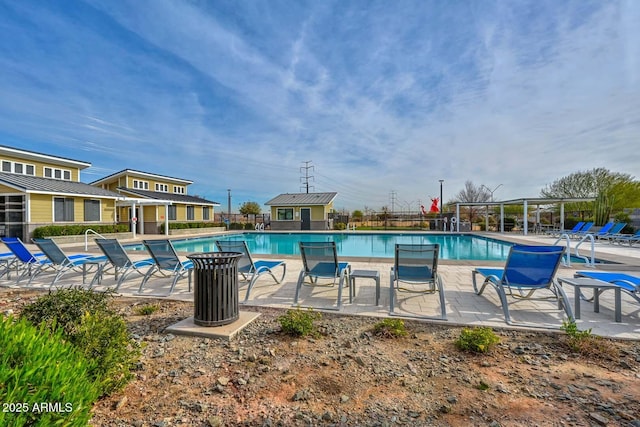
{"type": "Point", "coordinates": [472, 194]}
{"type": "Point", "coordinates": [357, 215]}
{"type": "Point", "coordinates": [610, 189]}
{"type": "Point", "coordinates": [250, 208]}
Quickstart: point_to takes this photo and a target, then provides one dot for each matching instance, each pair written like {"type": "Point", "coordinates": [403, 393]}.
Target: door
{"type": "Point", "coordinates": [305, 217]}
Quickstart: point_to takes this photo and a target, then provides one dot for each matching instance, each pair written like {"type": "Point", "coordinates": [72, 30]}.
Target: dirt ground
{"type": "Point", "coordinates": [349, 376]}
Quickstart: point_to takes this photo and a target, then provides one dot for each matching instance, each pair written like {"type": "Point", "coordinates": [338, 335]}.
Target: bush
{"type": "Point", "coordinates": [477, 340]}
{"type": "Point", "coordinates": [299, 323]}
{"type": "Point", "coordinates": [85, 319]}
{"type": "Point", "coordinates": [339, 226]}
{"type": "Point", "coordinates": [45, 380]}
{"type": "Point", "coordinates": [78, 229]}
{"type": "Point", "coordinates": [190, 224]}
{"type": "Point", "coordinates": [586, 344]}
{"type": "Point", "coordinates": [147, 309]}
{"type": "Point", "coordinates": [390, 328]}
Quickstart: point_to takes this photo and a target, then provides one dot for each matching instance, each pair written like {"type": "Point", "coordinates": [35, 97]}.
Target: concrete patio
{"type": "Point", "coordinates": [464, 307]}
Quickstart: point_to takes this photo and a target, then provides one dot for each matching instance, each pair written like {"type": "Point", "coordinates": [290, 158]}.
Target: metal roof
{"type": "Point", "coordinates": [302, 199]}
{"type": "Point", "coordinates": [36, 184]}
{"type": "Point", "coordinates": [42, 157]}
{"type": "Point", "coordinates": [141, 174]}
{"type": "Point", "coordinates": [173, 197]}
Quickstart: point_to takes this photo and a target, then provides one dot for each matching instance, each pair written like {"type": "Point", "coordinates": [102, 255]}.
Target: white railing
{"type": "Point", "coordinates": [86, 238]}
{"type": "Point", "coordinates": [567, 253]}
{"type": "Point", "coordinates": [592, 262]}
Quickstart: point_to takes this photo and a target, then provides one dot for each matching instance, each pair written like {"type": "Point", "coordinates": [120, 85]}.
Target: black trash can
{"type": "Point", "coordinates": [215, 291]}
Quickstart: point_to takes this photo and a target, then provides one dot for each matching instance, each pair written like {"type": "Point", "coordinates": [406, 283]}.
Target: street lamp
{"type": "Point", "coordinates": [491, 191]}
{"type": "Point", "coordinates": [441, 181]}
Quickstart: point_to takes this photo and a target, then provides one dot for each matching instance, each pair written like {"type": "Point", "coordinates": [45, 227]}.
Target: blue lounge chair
{"type": "Point", "coordinates": [249, 269]}
{"type": "Point", "coordinates": [583, 231]}
{"type": "Point", "coordinates": [604, 230]}
{"type": "Point", "coordinates": [26, 262]}
{"type": "Point", "coordinates": [416, 265]}
{"type": "Point", "coordinates": [628, 238]}
{"type": "Point", "coordinates": [167, 263]}
{"type": "Point", "coordinates": [613, 232]}
{"type": "Point", "coordinates": [119, 259]}
{"type": "Point", "coordinates": [320, 261]}
{"type": "Point", "coordinates": [628, 284]}
{"type": "Point", "coordinates": [528, 269]}
{"type": "Point", "coordinates": [62, 263]}
{"type": "Point", "coordinates": [575, 229]}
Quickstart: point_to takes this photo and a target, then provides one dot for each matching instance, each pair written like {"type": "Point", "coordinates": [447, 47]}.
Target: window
{"type": "Point", "coordinates": [190, 213]}
{"type": "Point", "coordinates": [92, 210]}
{"type": "Point", "coordinates": [285, 214]}
{"type": "Point", "coordinates": [19, 168]}
{"type": "Point", "coordinates": [57, 173]}
{"type": "Point", "coordinates": [140, 185]}
{"type": "Point", "coordinates": [178, 190]}
{"type": "Point", "coordinates": [62, 209]}
{"type": "Point", "coordinates": [205, 213]}
{"type": "Point", "coordinates": [162, 187]}
{"type": "Point", "coordinates": [173, 213]}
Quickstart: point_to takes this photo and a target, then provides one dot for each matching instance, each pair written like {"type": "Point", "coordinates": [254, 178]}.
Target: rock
{"type": "Point", "coordinates": [120, 403]}
{"type": "Point", "coordinates": [223, 381]}
{"type": "Point", "coordinates": [603, 421]}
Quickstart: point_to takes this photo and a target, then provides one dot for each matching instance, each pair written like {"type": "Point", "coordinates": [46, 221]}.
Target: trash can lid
{"type": "Point", "coordinates": [213, 255]}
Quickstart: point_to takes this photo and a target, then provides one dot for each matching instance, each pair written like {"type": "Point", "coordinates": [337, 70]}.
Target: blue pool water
{"type": "Point", "coordinates": [381, 245]}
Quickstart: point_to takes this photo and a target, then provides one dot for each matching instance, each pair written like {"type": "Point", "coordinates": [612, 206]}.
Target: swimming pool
{"type": "Point", "coordinates": [367, 245]}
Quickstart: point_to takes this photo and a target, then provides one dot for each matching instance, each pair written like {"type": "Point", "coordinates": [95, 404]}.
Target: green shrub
{"type": "Point", "coordinates": [147, 309]}
{"type": "Point", "coordinates": [477, 340]}
{"type": "Point", "coordinates": [390, 328]}
{"type": "Point", "coordinates": [64, 308]}
{"type": "Point", "coordinates": [249, 226]}
{"type": "Point", "coordinates": [586, 344]}
{"type": "Point", "coordinates": [85, 319]}
{"type": "Point", "coordinates": [298, 322]}
{"type": "Point", "coordinates": [339, 226]}
{"type": "Point", "coordinates": [105, 339]}
{"type": "Point", "coordinates": [44, 381]}
{"type": "Point", "coordinates": [78, 229]}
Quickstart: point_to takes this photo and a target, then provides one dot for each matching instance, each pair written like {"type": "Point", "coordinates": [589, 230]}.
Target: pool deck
{"type": "Point", "coordinates": [464, 307]}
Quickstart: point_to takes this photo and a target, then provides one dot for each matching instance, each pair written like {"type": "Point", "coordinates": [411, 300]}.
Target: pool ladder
{"type": "Point", "coordinates": [589, 262]}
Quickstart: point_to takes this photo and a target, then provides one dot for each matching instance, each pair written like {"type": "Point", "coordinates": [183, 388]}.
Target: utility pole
{"type": "Point", "coordinates": [305, 178]}
{"type": "Point", "coordinates": [392, 196]}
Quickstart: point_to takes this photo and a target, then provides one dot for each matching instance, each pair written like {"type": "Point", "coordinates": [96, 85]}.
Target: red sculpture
{"type": "Point", "coordinates": [434, 205]}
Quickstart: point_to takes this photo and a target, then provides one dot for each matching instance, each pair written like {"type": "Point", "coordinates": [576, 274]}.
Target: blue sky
{"type": "Point", "coordinates": [382, 97]}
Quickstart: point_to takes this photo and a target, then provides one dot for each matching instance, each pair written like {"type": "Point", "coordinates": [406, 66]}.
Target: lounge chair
{"type": "Point", "coordinates": [528, 269]}
{"type": "Point", "coordinates": [249, 269]}
{"type": "Point", "coordinates": [575, 229]}
{"type": "Point", "coordinates": [320, 261]}
{"type": "Point", "coordinates": [167, 263]}
{"type": "Point", "coordinates": [582, 232]}
{"type": "Point", "coordinates": [7, 262]}
{"type": "Point", "coordinates": [118, 259]}
{"type": "Point", "coordinates": [604, 230]}
{"type": "Point", "coordinates": [416, 265]}
{"type": "Point", "coordinates": [613, 232]}
{"type": "Point", "coordinates": [62, 263]}
{"type": "Point", "coordinates": [25, 260]}
{"type": "Point", "coordinates": [627, 238]}
{"type": "Point", "coordinates": [628, 284]}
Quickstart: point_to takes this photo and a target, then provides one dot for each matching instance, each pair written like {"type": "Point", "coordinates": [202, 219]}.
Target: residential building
{"type": "Point", "coordinates": [39, 189]}
{"type": "Point", "coordinates": [152, 200]}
